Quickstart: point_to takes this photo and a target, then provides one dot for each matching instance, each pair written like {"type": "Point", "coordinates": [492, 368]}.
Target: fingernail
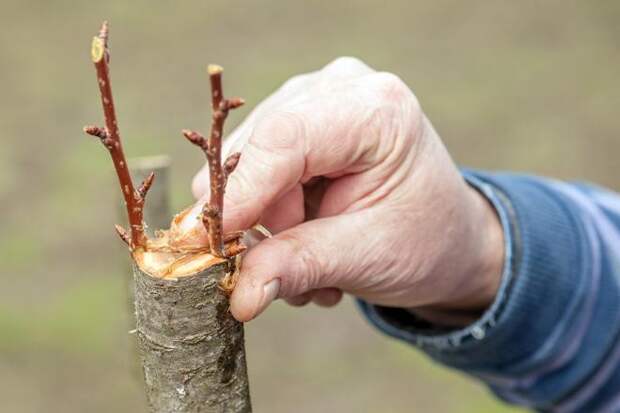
{"type": "Point", "coordinates": [270, 292]}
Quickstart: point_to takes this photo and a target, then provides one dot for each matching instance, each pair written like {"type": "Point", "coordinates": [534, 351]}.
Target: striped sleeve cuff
{"type": "Point", "coordinates": [549, 340]}
{"type": "Point", "coordinates": [403, 325]}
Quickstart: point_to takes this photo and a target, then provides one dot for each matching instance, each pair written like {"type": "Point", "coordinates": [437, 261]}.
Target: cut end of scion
{"type": "Point", "coordinates": [97, 49]}
{"type": "Point", "coordinates": [214, 69]}
{"type": "Point", "coordinates": [100, 43]}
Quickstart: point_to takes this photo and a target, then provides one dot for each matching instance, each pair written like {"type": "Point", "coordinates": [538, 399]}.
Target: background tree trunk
{"type": "Point", "coordinates": [192, 349]}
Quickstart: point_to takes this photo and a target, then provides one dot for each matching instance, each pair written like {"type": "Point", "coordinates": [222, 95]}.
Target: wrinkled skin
{"type": "Point", "coordinates": [392, 221]}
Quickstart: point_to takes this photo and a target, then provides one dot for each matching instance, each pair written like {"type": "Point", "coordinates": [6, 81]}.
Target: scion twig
{"type": "Point", "coordinates": [212, 147]}
{"type": "Point", "coordinates": [110, 137]}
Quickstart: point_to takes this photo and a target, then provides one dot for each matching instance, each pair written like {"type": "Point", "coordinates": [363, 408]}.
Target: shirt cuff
{"type": "Point", "coordinates": [402, 324]}
{"type": "Point", "coordinates": [541, 296]}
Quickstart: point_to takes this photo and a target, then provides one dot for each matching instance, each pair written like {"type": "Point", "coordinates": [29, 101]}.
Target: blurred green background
{"type": "Point", "coordinates": [525, 85]}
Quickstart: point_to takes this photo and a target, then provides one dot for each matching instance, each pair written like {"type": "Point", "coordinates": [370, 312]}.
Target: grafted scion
{"type": "Point", "coordinates": [177, 245]}
{"type": "Point", "coordinates": [212, 147]}
{"type": "Point", "coordinates": [111, 139]}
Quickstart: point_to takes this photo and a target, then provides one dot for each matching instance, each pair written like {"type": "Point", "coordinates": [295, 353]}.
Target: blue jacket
{"type": "Point", "coordinates": [551, 339]}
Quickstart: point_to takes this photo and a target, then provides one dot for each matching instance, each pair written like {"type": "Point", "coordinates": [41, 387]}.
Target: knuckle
{"type": "Point", "coordinates": [391, 89]}
{"type": "Point", "coordinates": [305, 270]}
{"type": "Point", "coordinates": [391, 85]}
{"type": "Point", "coordinates": [346, 64]}
{"type": "Point", "coordinates": [294, 83]}
{"type": "Point", "coordinates": [294, 243]}
{"type": "Point", "coordinates": [279, 132]}
{"type": "Point", "coordinates": [346, 61]}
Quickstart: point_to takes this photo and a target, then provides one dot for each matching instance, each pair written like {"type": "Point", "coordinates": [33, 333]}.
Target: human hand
{"type": "Point", "coordinates": [345, 169]}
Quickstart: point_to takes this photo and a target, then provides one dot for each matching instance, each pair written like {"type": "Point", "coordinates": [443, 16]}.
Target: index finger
{"type": "Point", "coordinates": [322, 137]}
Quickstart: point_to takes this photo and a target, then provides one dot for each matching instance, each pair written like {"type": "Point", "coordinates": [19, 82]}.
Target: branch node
{"type": "Point", "coordinates": [195, 138]}
{"type": "Point", "coordinates": [234, 103]}
{"type": "Point", "coordinates": [146, 185]}
{"type": "Point", "coordinates": [210, 212]}
{"type": "Point", "coordinates": [231, 163]}
{"type": "Point", "coordinates": [122, 233]}
{"type": "Point", "coordinates": [96, 131]}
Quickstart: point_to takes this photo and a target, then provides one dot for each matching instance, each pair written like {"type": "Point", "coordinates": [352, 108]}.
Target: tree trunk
{"type": "Point", "coordinates": [192, 349]}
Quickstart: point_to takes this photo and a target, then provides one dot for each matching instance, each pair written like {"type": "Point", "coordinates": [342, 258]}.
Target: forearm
{"type": "Point", "coordinates": [555, 320]}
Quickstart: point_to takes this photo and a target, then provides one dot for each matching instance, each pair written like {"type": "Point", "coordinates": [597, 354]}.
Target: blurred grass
{"type": "Point", "coordinates": [511, 85]}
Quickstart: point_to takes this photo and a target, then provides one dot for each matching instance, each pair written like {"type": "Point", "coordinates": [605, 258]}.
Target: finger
{"type": "Point", "coordinates": [295, 90]}
{"type": "Point", "coordinates": [342, 68]}
{"type": "Point", "coordinates": [291, 147]}
{"type": "Point", "coordinates": [283, 214]}
{"type": "Point", "coordinates": [269, 168]}
{"type": "Point", "coordinates": [343, 134]}
{"type": "Point", "coordinates": [301, 299]}
{"type": "Point", "coordinates": [286, 212]}
{"type": "Point", "coordinates": [329, 252]}
{"type": "Point", "coordinates": [327, 297]}
{"type": "Point", "coordinates": [290, 93]}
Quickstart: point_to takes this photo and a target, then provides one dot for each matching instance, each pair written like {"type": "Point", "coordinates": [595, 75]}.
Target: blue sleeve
{"type": "Point", "coordinates": [551, 339]}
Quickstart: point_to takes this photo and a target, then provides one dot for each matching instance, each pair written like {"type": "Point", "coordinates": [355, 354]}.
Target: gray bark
{"type": "Point", "coordinates": [192, 349]}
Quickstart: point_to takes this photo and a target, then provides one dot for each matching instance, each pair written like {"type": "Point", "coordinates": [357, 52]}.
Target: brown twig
{"type": "Point", "coordinates": [110, 137]}
{"type": "Point", "coordinates": [212, 147]}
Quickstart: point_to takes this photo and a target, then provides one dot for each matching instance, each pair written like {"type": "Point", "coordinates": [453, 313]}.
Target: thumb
{"type": "Point", "coordinates": [327, 252]}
